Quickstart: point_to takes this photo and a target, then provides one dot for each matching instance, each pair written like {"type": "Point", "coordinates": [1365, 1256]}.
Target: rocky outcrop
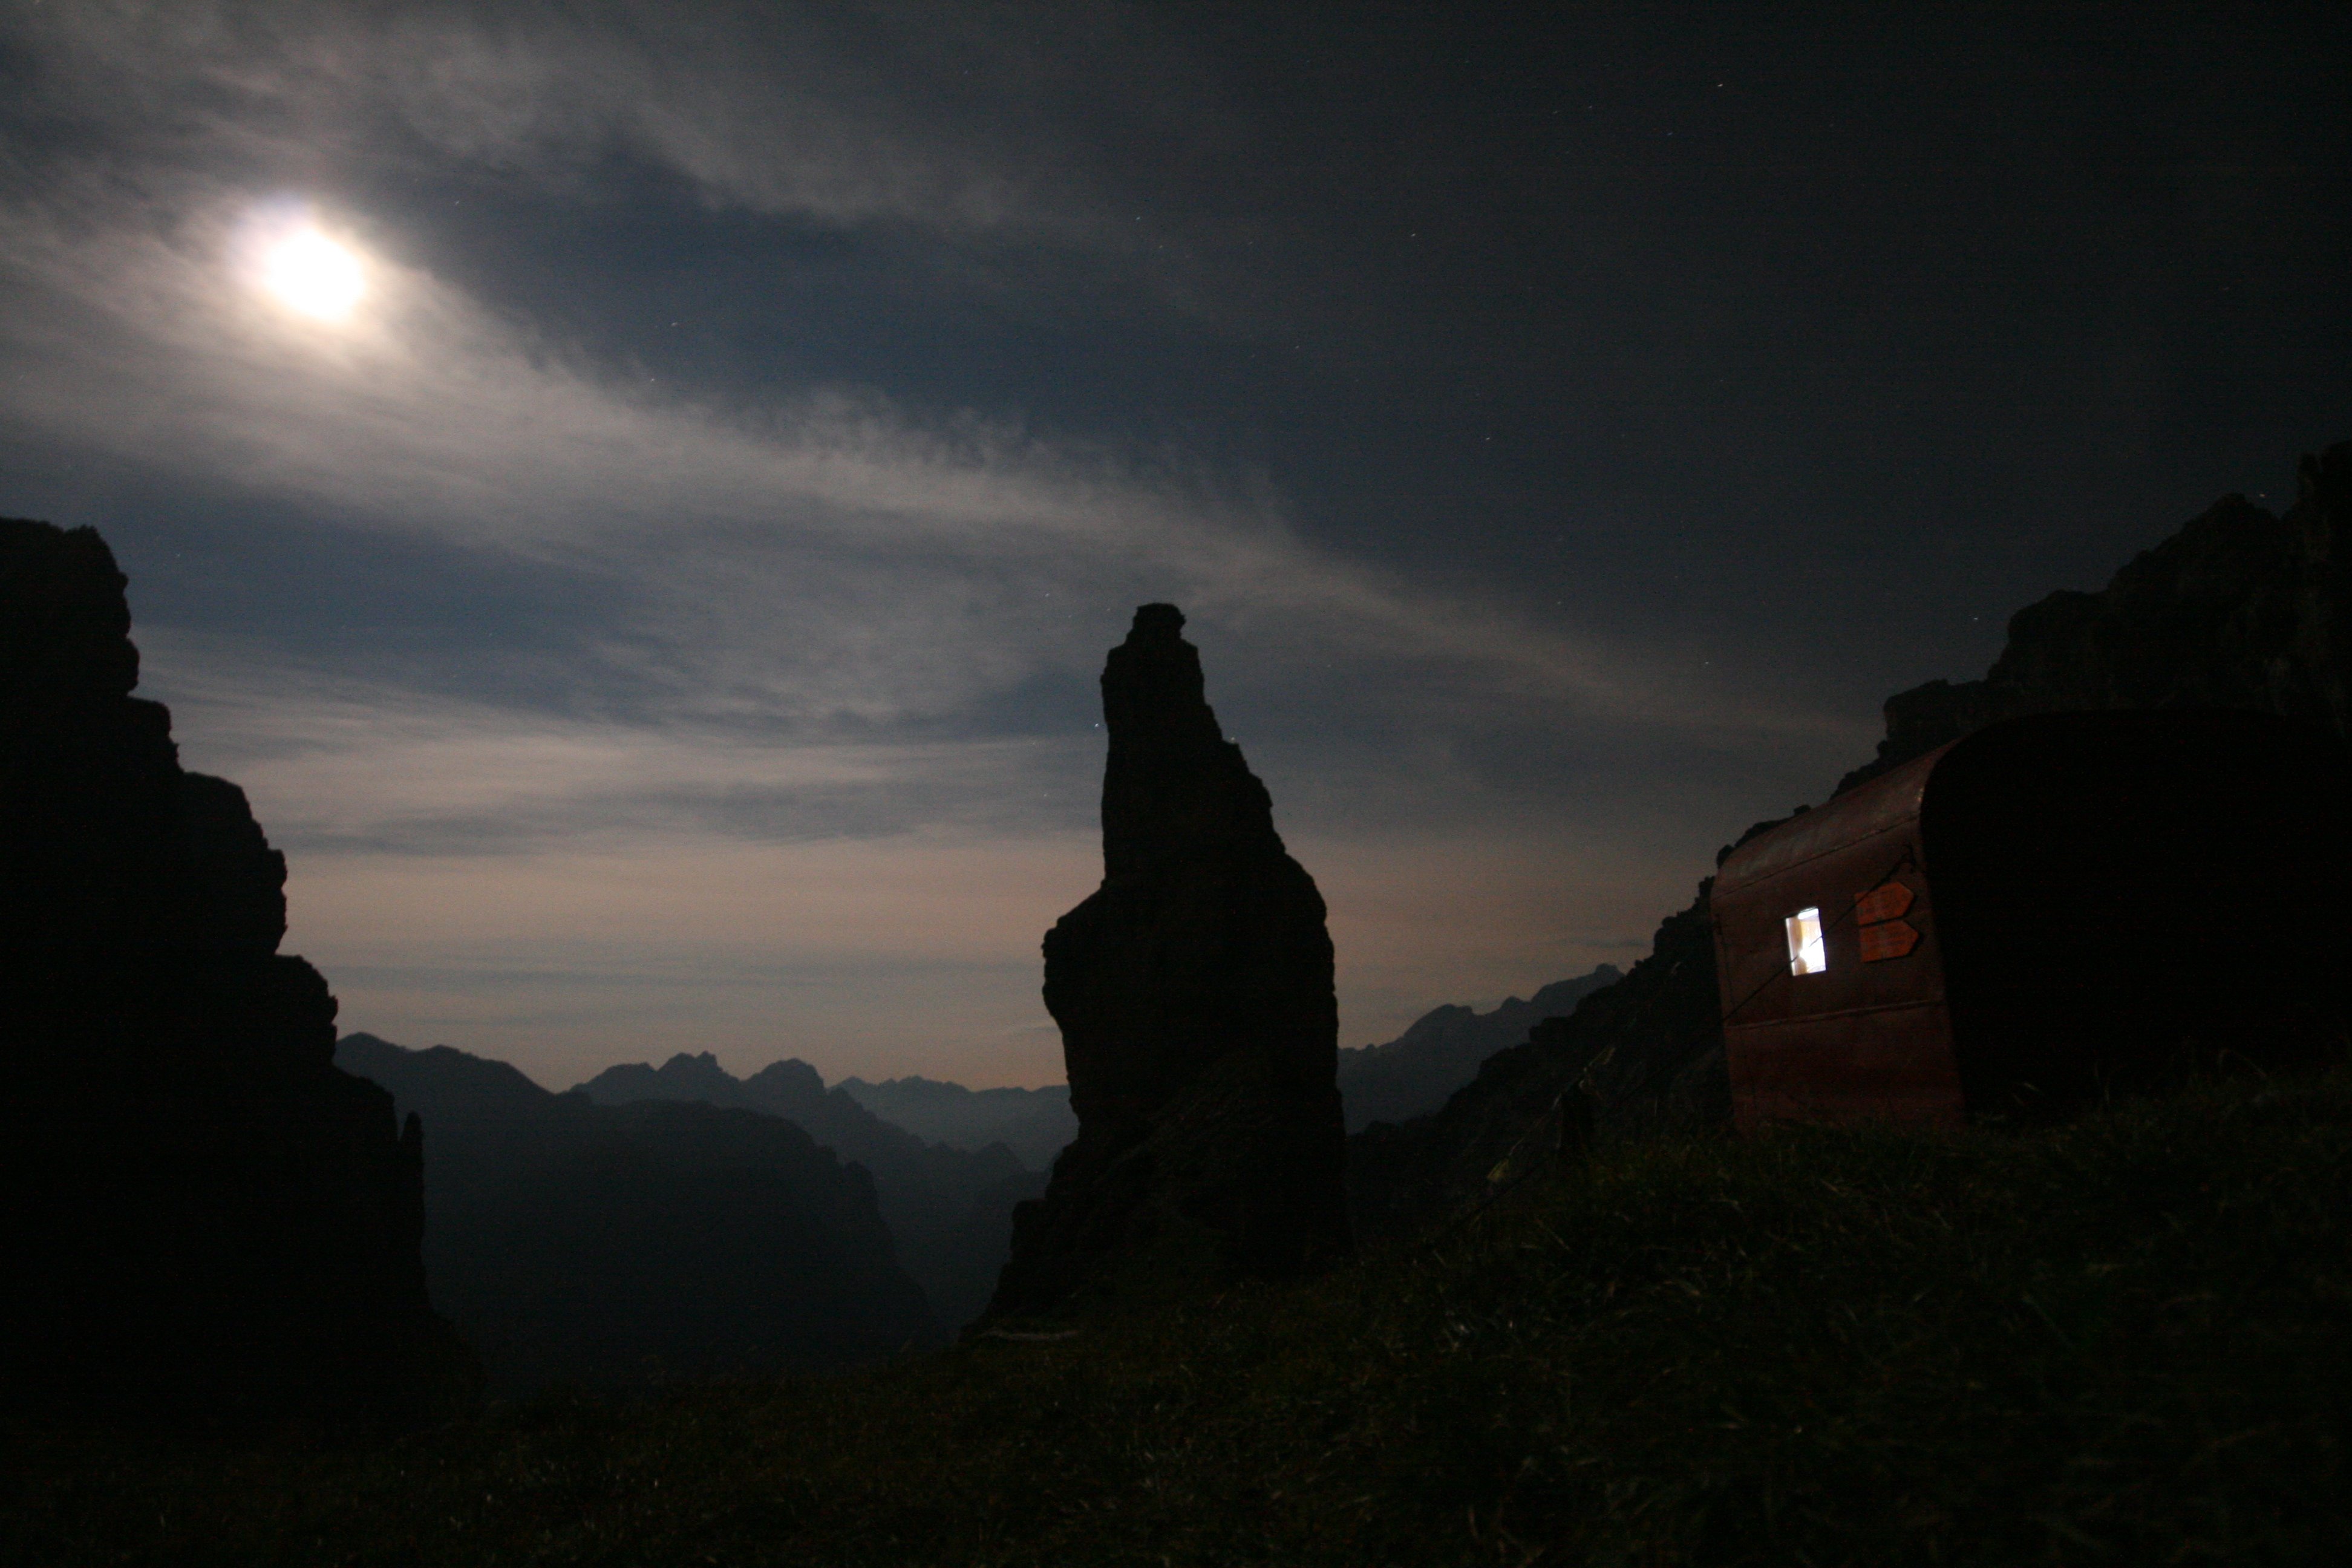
{"type": "Point", "coordinates": [1198, 1025]}
{"type": "Point", "coordinates": [203, 1219]}
{"type": "Point", "coordinates": [2240, 609]}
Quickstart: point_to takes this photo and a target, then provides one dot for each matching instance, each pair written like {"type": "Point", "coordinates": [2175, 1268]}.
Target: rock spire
{"type": "Point", "coordinates": [1195, 995]}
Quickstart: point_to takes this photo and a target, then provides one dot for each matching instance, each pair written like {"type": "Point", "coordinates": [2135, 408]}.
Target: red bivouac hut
{"type": "Point", "coordinates": [2052, 907]}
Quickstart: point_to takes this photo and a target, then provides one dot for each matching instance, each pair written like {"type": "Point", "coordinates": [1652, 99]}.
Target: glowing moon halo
{"type": "Point", "coordinates": [313, 275]}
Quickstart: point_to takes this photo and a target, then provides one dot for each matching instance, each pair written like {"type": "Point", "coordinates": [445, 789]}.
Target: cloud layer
{"type": "Point", "coordinates": [813, 767]}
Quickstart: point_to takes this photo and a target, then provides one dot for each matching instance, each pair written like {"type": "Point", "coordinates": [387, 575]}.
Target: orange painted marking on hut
{"type": "Point", "coordinates": [1890, 902]}
{"type": "Point", "coordinates": [1888, 938]}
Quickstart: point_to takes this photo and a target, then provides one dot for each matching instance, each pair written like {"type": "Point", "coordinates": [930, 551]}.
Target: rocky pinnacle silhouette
{"type": "Point", "coordinates": [1199, 1024]}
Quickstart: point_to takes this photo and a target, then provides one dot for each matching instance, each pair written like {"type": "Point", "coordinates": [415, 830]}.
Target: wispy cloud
{"type": "Point", "coordinates": [843, 117]}
{"type": "Point", "coordinates": [818, 598]}
{"type": "Point", "coordinates": [343, 764]}
{"type": "Point", "coordinates": [827, 553]}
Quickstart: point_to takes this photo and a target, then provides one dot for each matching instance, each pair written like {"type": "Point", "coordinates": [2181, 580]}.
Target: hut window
{"type": "Point", "coordinates": [1807, 955]}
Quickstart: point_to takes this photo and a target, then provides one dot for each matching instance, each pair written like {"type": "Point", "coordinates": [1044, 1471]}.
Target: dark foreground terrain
{"type": "Point", "coordinates": [2122, 1341]}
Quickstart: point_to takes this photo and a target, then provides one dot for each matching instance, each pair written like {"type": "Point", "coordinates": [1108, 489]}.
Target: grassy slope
{"type": "Point", "coordinates": [2124, 1342]}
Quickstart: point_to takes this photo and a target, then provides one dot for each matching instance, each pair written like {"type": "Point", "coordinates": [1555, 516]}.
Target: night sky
{"type": "Point", "coordinates": [639, 496]}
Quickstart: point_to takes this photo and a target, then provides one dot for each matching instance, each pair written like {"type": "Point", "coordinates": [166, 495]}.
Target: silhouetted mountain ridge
{"type": "Point", "coordinates": [612, 1246]}
{"type": "Point", "coordinates": [1415, 1074]}
{"type": "Point", "coordinates": [1035, 1123]}
{"type": "Point", "coordinates": [949, 1209]}
{"type": "Point", "coordinates": [2240, 608]}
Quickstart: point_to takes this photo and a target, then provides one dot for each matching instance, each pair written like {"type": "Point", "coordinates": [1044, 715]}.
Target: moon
{"type": "Point", "coordinates": [314, 276]}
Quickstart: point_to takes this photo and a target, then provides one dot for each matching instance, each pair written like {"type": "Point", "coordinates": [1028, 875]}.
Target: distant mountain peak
{"type": "Point", "coordinates": [484, 1079]}
{"type": "Point", "coordinates": [792, 1074]}
{"type": "Point", "coordinates": [1441, 1050]}
{"type": "Point", "coordinates": [1036, 1124]}
{"type": "Point", "coordinates": [591, 1241]}
{"type": "Point", "coordinates": [948, 1208]}
{"type": "Point", "coordinates": [696, 1070]}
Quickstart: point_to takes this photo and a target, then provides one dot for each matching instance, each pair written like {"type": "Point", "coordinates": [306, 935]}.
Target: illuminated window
{"type": "Point", "coordinates": [1806, 954]}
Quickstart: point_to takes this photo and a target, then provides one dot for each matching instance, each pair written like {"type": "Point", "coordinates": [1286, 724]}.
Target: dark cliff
{"type": "Point", "coordinates": [204, 1217]}
{"type": "Point", "coordinates": [1199, 1024]}
{"type": "Point", "coordinates": [2241, 608]}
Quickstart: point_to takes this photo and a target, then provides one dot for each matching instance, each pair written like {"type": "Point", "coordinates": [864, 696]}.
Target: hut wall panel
{"type": "Point", "coordinates": [1860, 1040]}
